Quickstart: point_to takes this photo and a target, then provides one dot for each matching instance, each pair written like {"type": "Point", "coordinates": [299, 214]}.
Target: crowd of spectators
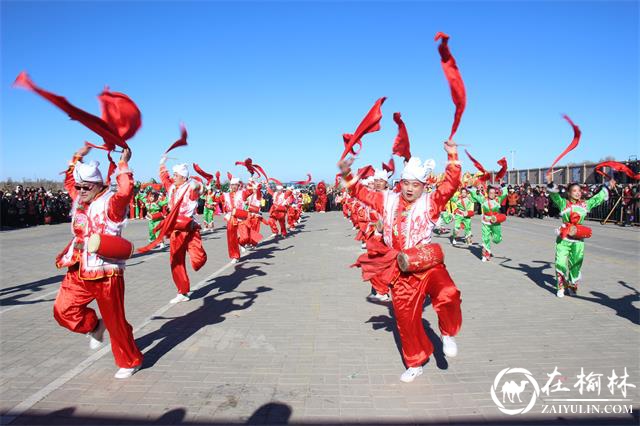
{"type": "Point", "coordinates": [532, 201]}
{"type": "Point", "coordinates": [22, 207]}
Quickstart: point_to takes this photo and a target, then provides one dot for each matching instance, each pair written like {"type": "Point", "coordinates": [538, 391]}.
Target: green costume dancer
{"type": "Point", "coordinates": [464, 209]}
{"type": "Point", "coordinates": [210, 199]}
{"type": "Point", "coordinates": [491, 230]}
{"type": "Point", "coordinates": [445, 218]}
{"type": "Point", "coordinates": [570, 241]}
{"type": "Point", "coordinates": [154, 214]}
{"type": "Point", "coordinates": [139, 201]}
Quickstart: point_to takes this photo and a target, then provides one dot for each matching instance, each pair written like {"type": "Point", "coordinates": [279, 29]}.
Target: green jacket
{"type": "Point", "coordinates": [489, 207]}
{"type": "Point", "coordinates": [582, 207]}
{"type": "Point", "coordinates": [462, 206]}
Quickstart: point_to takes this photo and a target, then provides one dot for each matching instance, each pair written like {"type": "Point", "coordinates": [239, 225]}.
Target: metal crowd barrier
{"type": "Point", "coordinates": [614, 212]}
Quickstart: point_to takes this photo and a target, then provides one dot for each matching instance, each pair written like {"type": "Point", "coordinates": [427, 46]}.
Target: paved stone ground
{"type": "Point", "coordinates": [288, 335]}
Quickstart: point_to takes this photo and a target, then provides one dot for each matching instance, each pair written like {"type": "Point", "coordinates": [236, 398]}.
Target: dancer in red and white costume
{"type": "Point", "coordinates": [278, 212]}
{"type": "Point", "coordinates": [183, 193]}
{"type": "Point", "coordinates": [380, 288]}
{"type": "Point", "coordinates": [409, 261]}
{"type": "Point", "coordinates": [97, 210]}
{"type": "Point", "coordinates": [363, 214]}
{"type": "Point", "coordinates": [233, 205]}
{"type": "Point", "coordinates": [295, 208]}
{"type": "Point", "coordinates": [321, 200]}
{"type": "Point", "coordinates": [249, 229]}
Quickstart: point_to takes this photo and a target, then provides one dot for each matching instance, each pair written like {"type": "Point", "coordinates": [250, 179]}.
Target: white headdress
{"type": "Point", "coordinates": [87, 172]}
{"type": "Point", "coordinates": [416, 170]}
{"type": "Point", "coordinates": [381, 175]}
{"type": "Point", "coordinates": [181, 169]}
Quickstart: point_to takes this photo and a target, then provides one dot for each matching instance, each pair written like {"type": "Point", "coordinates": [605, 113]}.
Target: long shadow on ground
{"type": "Point", "coordinates": [214, 307]}
{"type": "Point", "coordinates": [623, 306]}
{"type": "Point", "coordinates": [388, 323]}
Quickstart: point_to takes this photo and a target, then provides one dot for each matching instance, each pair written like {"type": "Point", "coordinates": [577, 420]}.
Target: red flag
{"type": "Point", "coordinates": [260, 171]}
{"type": "Point", "coordinates": [248, 163]}
{"type": "Point", "coordinates": [452, 73]}
{"type": "Point", "coordinates": [366, 171]}
{"type": "Point", "coordinates": [252, 168]}
{"type": "Point", "coordinates": [95, 124]}
{"type": "Point", "coordinates": [475, 162]}
{"type": "Point", "coordinates": [202, 173]}
{"type": "Point", "coordinates": [574, 143]}
{"type": "Point", "coordinates": [619, 167]}
{"type": "Point", "coordinates": [486, 175]}
{"type": "Point", "coordinates": [229, 176]}
{"type": "Point", "coordinates": [276, 181]}
{"type": "Point", "coordinates": [503, 169]}
{"type": "Point", "coordinates": [218, 185]}
{"type": "Point", "coordinates": [198, 178]}
{"type": "Point", "coordinates": [370, 123]}
{"type": "Point", "coordinates": [389, 167]}
{"type": "Point", "coordinates": [120, 112]}
{"type": "Point", "coordinates": [180, 142]}
{"type": "Point", "coordinates": [346, 137]}
{"type": "Point", "coordinates": [304, 182]}
{"type": "Point", "coordinates": [401, 146]}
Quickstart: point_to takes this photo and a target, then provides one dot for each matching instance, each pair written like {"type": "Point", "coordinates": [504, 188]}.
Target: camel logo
{"type": "Point", "coordinates": [512, 389]}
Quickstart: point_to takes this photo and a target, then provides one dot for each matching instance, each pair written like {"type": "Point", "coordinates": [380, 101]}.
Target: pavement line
{"type": "Point", "coordinates": [29, 402]}
{"type": "Point", "coordinates": [51, 293]}
{"type": "Point", "coordinates": [32, 400]}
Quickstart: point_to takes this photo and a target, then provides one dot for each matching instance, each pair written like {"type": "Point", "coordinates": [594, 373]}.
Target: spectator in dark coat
{"type": "Point", "coordinates": [541, 204]}
{"type": "Point", "coordinates": [528, 201]}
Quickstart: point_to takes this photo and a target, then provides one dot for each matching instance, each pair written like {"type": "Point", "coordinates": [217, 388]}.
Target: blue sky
{"type": "Point", "coordinates": [281, 81]}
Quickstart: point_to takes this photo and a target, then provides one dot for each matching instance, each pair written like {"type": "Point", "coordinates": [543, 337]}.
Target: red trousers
{"type": "Point", "coordinates": [274, 220]}
{"type": "Point", "coordinates": [292, 217]}
{"type": "Point", "coordinates": [249, 232]}
{"type": "Point", "coordinates": [182, 242]}
{"type": "Point", "coordinates": [408, 294]}
{"type": "Point", "coordinates": [232, 239]}
{"type": "Point", "coordinates": [71, 311]}
{"type": "Point", "coordinates": [379, 285]}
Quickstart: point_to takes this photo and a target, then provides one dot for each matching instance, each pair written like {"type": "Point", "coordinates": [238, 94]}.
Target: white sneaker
{"type": "Point", "coordinates": [96, 337]}
{"type": "Point", "coordinates": [273, 235]}
{"type": "Point", "coordinates": [125, 373]}
{"type": "Point", "coordinates": [243, 250]}
{"type": "Point", "coordinates": [161, 246]}
{"type": "Point", "coordinates": [354, 229]}
{"type": "Point", "coordinates": [449, 346]}
{"type": "Point", "coordinates": [560, 293]}
{"type": "Point", "coordinates": [484, 259]}
{"type": "Point", "coordinates": [382, 297]}
{"type": "Point", "coordinates": [363, 246]}
{"type": "Point", "coordinates": [410, 375]}
{"type": "Point", "coordinates": [233, 261]}
{"type": "Point", "coordinates": [179, 298]}
{"type": "Point", "coordinates": [453, 242]}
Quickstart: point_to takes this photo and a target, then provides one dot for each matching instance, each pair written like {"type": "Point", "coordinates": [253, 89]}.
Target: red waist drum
{"type": "Point", "coordinates": [110, 246]}
{"type": "Point", "coordinates": [420, 258]}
